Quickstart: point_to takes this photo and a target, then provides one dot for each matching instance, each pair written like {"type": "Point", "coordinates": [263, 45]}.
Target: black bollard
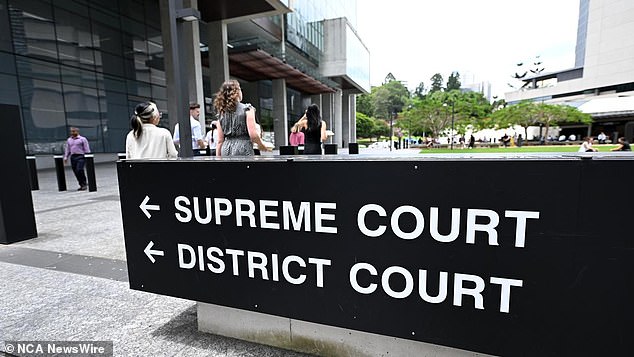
{"type": "Point", "coordinates": [288, 150]}
{"type": "Point", "coordinates": [330, 149]}
{"type": "Point", "coordinates": [353, 148]}
{"type": "Point", "coordinates": [59, 169]}
{"type": "Point", "coordinates": [30, 162]}
{"type": "Point", "coordinates": [90, 172]}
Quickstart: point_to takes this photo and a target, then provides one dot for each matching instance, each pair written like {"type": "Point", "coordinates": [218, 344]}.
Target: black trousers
{"type": "Point", "coordinates": [77, 163]}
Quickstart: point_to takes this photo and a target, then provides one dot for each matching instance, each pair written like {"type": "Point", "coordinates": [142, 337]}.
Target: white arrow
{"type": "Point", "coordinates": [150, 252]}
{"type": "Point", "coordinates": [146, 208]}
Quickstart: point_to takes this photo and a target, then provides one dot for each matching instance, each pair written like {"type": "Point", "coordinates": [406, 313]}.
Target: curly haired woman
{"type": "Point", "coordinates": [237, 129]}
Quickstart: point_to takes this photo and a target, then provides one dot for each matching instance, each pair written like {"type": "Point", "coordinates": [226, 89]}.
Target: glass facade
{"type": "Point", "coordinates": [304, 25]}
{"type": "Point", "coordinates": [80, 63]}
{"type": "Point", "coordinates": [582, 33]}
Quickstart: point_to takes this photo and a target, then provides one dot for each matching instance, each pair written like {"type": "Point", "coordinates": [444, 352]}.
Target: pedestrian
{"type": "Point", "coordinates": [471, 142]}
{"type": "Point", "coordinates": [623, 145]}
{"type": "Point", "coordinates": [211, 139]}
{"type": "Point", "coordinates": [520, 140]}
{"type": "Point", "coordinates": [297, 136]}
{"type": "Point", "coordinates": [602, 137]}
{"type": "Point", "coordinates": [146, 140]}
{"type": "Point", "coordinates": [237, 129]}
{"type": "Point", "coordinates": [586, 145]}
{"type": "Point", "coordinates": [76, 147]}
{"type": "Point", "coordinates": [314, 130]}
{"type": "Point", "coordinates": [198, 141]}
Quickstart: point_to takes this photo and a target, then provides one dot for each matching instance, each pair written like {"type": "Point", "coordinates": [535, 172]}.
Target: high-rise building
{"type": "Point", "coordinates": [88, 63]}
{"type": "Point", "coordinates": [602, 81]}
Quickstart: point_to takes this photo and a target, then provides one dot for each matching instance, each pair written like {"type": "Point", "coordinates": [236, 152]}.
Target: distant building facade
{"type": "Point", "coordinates": [602, 81]}
{"type": "Point", "coordinates": [88, 63]}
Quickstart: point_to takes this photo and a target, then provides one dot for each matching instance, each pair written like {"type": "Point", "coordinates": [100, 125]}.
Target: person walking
{"type": "Point", "coordinates": [146, 140]}
{"type": "Point", "coordinates": [237, 130]}
{"type": "Point", "coordinates": [212, 138]}
{"type": "Point", "coordinates": [76, 147]}
{"type": "Point", "coordinates": [314, 130]}
{"type": "Point", "coordinates": [198, 141]}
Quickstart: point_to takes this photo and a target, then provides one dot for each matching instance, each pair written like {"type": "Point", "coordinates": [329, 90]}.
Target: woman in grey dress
{"type": "Point", "coordinates": [237, 128]}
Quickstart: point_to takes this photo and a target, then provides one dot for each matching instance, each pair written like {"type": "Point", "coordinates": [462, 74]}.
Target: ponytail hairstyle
{"type": "Point", "coordinates": [143, 114]}
{"type": "Point", "coordinates": [313, 117]}
{"type": "Point", "coordinates": [227, 97]}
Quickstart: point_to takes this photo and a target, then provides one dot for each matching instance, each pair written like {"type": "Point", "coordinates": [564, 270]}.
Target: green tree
{"type": "Point", "coordinates": [365, 125]}
{"type": "Point", "coordinates": [365, 104]}
{"type": "Point", "coordinates": [527, 113]}
{"type": "Point", "coordinates": [389, 98]}
{"type": "Point", "coordinates": [419, 92]}
{"type": "Point", "coordinates": [436, 83]}
{"type": "Point", "coordinates": [453, 82]}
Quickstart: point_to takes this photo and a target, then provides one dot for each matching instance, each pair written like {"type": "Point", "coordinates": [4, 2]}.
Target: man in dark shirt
{"type": "Point", "coordinates": [76, 147]}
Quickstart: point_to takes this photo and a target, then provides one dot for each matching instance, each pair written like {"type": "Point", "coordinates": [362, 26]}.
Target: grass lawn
{"type": "Point", "coordinates": [526, 149]}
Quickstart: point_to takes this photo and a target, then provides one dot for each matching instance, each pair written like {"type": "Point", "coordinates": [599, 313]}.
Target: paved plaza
{"type": "Point", "coordinates": [71, 283]}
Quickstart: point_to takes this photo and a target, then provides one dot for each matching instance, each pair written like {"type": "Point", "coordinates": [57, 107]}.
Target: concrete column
{"type": "Point", "coordinates": [346, 116]}
{"type": "Point", "coordinates": [176, 71]}
{"type": "Point", "coordinates": [250, 94]}
{"type": "Point", "coordinates": [191, 60]}
{"type": "Point", "coordinates": [218, 55]}
{"type": "Point", "coordinates": [338, 127]}
{"type": "Point", "coordinates": [316, 99]}
{"type": "Point", "coordinates": [280, 127]}
{"type": "Point", "coordinates": [326, 112]}
{"type": "Point", "coordinates": [353, 118]}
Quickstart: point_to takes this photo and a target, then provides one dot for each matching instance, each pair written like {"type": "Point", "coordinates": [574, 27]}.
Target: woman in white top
{"type": "Point", "coordinates": [586, 145]}
{"type": "Point", "coordinates": [146, 140]}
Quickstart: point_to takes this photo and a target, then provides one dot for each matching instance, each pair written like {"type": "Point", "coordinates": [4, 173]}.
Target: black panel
{"type": "Point", "coordinates": [574, 262]}
{"type": "Point", "coordinates": [17, 220]}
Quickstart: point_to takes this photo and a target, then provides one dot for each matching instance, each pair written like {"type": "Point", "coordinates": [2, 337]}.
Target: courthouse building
{"type": "Point", "coordinates": [601, 83]}
{"type": "Point", "coordinates": [88, 63]}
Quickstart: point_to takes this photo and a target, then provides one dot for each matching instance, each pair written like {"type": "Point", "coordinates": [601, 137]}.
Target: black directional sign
{"type": "Point", "coordinates": [507, 256]}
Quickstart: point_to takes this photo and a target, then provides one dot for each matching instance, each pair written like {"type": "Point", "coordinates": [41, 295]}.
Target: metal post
{"type": "Point", "coordinates": [452, 113]}
{"type": "Point", "coordinates": [174, 52]}
{"type": "Point", "coordinates": [59, 169]}
{"type": "Point", "coordinates": [391, 130]}
{"type": "Point", "coordinates": [30, 161]}
{"type": "Point", "coordinates": [90, 169]}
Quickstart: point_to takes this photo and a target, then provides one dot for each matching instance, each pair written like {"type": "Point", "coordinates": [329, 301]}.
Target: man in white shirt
{"type": "Point", "coordinates": [197, 132]}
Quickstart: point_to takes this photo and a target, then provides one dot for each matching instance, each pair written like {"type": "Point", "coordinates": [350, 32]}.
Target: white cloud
{"type": "Point", "coordinates": [416, 39]}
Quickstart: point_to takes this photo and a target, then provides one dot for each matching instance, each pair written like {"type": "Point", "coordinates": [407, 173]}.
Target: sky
{"type": "Point", "coordinates": [480, 39]}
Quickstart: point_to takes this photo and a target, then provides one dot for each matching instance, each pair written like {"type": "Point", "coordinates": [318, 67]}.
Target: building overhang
{"type": "Point", "coordinates": [252, 64]}
{"type": "Point", "coordinates": [239, 10]}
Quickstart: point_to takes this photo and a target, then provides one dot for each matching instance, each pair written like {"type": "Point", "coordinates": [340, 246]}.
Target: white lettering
{"type": "Point", "coordinates": [472, 226]}
{"type": "Point", "coordinates": [442, 287]}
{"type": "Point", "coordinates": [455, 225]}
{"type": "Point", "coordinates": [476, 292]}
{"type": "Point", "coordinates": [285, 270]}
{"type": "Point", "coordinates": [188, 213]}
{"type": "Point", "coordinates": [420, 222]}
{"type": "Point", "coordinates": [505, 295]}
{"type": "Point", "coordinates": [248, 213]}
{"type": "Point", "coordinates": [181, 258]}
{"type": "Point", "coordinates": [261, 265]}
{"type": "Point", "coordinates": [222, 212]}
{"type": "Point", "coordinates": [353, 278]}
{"type": "Point", "coordinates": [520, 228]}
{"type": "Point", "coordinates": [320, 217]}
{"type": "Point", "coordinates": [302, 216]}
{"type": "Point", "coordinates": [361, 220]}
{"type": "Point", "coordinates": [264, 213]}
{"type": "Point", "coordinates": [409, 282]}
